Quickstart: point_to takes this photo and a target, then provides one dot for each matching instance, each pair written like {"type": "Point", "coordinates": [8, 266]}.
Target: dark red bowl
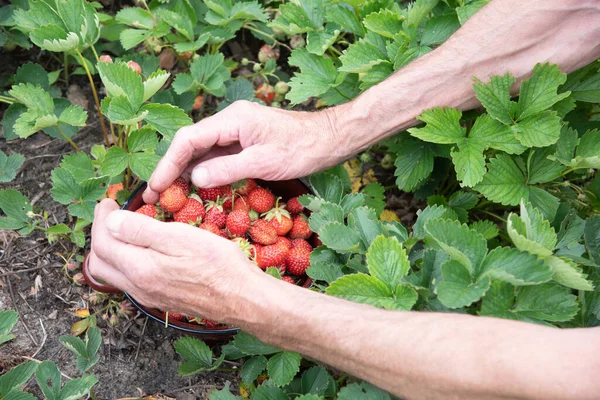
{"type": "Point", "coordinates": [285, 189]}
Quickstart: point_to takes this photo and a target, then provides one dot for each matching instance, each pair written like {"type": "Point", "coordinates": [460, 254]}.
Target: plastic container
{"type": "Point", "coordinates": [284, 189]}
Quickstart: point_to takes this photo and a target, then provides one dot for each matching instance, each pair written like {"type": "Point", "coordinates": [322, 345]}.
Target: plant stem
{"type": "Point", "coordinates": [493, 215]}
{"type": "Point", "coordinates": [66, 65]}
{"type": "Point", "coordinates": [251, 27]}
{"type": "Point", "coordinates": [68, 139]}
{"type": "Point", "coordinates": [334, 50]}
{"type": "Point", "coordinates": [100, 116]}
{"type": "Point", "coordinates": [6, 99]}
{"type": "Point", "coordinates": [95, 54]}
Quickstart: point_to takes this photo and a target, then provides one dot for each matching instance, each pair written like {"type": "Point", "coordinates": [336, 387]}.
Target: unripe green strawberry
{"type": "Point", "coordinates": [172, 199]}
{"type": "Point", "coordinates": [261, 200]}
{"type": "Point", "coordinates": [387, 162]}
{"type": "Point", "coordinates": [281, 87]}
{"type": "Point", "coordinates": [297, 260]}
{"type": "Point", "coordinates": [365, 158]}
{"type": "Point", "coordinates": [244, 61]}
{"type": "Point", "coordinates": [192, 213]}
{"type": "Point", "coordinates": [263, 232]}
{"type": "Point", "coordinates": [300, 228]}
{"type": "Point", "coordinates": [238, 222]}
{"type": "Point", "coordinates": [270, 256]}
{"type": "Point", "coordinates": [256, 67]}
{"type": "Point", "coordinates": [297, 42]}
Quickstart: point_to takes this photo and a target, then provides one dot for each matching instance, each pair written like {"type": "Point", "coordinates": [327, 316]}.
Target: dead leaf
{"type": "Point", "coordinates": [80, 326]}
{"type": "Point", "coordinates": [359, 177]}
{"type": "Point", "coordinates": [82, 312]}
{"type": "Point", "coordinates": [389, 216]}
{"type": "Point", "coordinates": [166, 59]}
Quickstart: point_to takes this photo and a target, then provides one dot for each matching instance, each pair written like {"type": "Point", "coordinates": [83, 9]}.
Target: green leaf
{"type": "Point", "coordinates": [504, 182]}
{"type": "Point", "coordinates": [16, 377]}
{"type": "Point", "coordinates": [78, 388]}
{"type": "Point", "coordinates": [143, 139]}
{"type": "Point", "coordinates": [251, 346]}
{"type": "Point", "coordinates": [387, 261]}
{"type": "Point", "coordinates": [16, 207]}
{"type": "Point", "coordinates": [457, 288]}
{"type": "Point", "coordinates": [584, 86]}
{"type": "Point", "coordinates": [47, 372]}
{"type": "Point", "coordinates": [318, 42]}
{"type": "Point", "coordinates": [469, 163]}
{"type": "Point", "coordinates": [468, 10]}
{"type": "Point", "coordinates": [386, 23]}
{"type": "Point", "coordinates": [143, 164]}
{"type": "Point", "coordinates": [120, 80]}
{"type": "Point", "coordinates": [363, 220]}
{"type": "Point", "coordinates": [325, 265]}
{"type": "Point", "coordinates": [439, 28]}
{"type": "Point", "coordinates": [351, 201]}
{"type": "Point", "coordinates": [592, 238]}
{"type": "Point", "coordinates": [130, 38]}
{"type": "Point", "coordinates": [73, 115]}
{"type": "Point", "coordinates": [327, 186]}
{"type": "Point", "coordinates": [460, 242]}
{"type": "Point", "coordinates": [487, 229]}
{"type": "Point", "coordinates": [489, 133]}
{"type": "Point", "coordinates": [166, 119]}
{"type": "Point", "coordinates": [9, 165]}
{"type": "Point", "coordinates": [425, 215]}
{"type": "Point", "coordinates": [531, 232]}
{"type": "Point", "coordinates": [443, 126]}
{"type": "Point", "coordinates": [547, 302]}
{"type": "Point", "coordinates": [33, 97]}
{"type": "Point", "coordinates": [136, 17]}
{"type": "Point", "coordinates": [341, 238]}
{"type": "Point", "coordinates": [274, 272]}
{"type": "Point", "coordinates": [361, 288]}
{"type": "Point", "coordinates": [115, 161]}
{"type": "Point", "coordinates": [252, 368]}
{"type": "Point", "coordinates": [414, 164]}
{"type": "Point", "coordinates": [498, 301]}
{"type": "Point", "coordinates": [54, 38]}
{"type": "Point", "coordinates": [539, 92]}
{"type": "Point", "coordinates": [154, 82]}
{"type": "Point", "coordinates": [568, 274]}
{"type": "Point", "coordinates": [315, 381]}
{"type": "Point", "coordinates": [197, 355]}
{"type": "Point", "coordinates": [515, 267]}
{"type": "Point", "coordinates": [539, 130]}
{"type": "Point", "coordinates": [344, 16]}
{"type": "Point", "coordinates": [293, 20]}
{"type": "Point", "coordinates": [495, 97]}
{"type": "Point", "coordinates": [34, 74]}
{"type": "Point", "coordinates": [540, 169]}
{"type": "Point", "coordinates": [282, 367]}
{"type": "Point", "coordinates": [223, 394]}
{"type": "Point", "coordinates": [587, 154]}
{"type": "Point", "coordinates": [362, 390]}
{"type": "Point", "coordinates": [267, 391]}
{"type": "Point", "coordinates": [180, 22]}
{"type": "Point", "coordinates": [8, 319]}
{"type": "Point", "coordinates": [193, 46]}
{"type": "Point", "coordinates": [11, 115]}
{"type": "Point", "coordinates": [374, 194]}
{"type": "Point", "coordinates": [328, 212]}
{"type": "Point", "coordinates": [317, 75]}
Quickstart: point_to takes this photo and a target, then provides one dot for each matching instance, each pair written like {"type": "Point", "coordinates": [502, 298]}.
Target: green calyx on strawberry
{"type": "Point", "coordinates": [279, 218]}
{"type": "Point", "coordinates": [215, 213]}
{"type": "Point", "coordinates": [248, 249]}
{"type": "Point", "coordinates": [245, 186]}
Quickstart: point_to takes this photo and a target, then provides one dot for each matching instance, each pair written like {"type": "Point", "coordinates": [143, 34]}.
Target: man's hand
{"type": "Point", "coordinates": [247, 140]}
{"type": "Point", "coordinates": [172, 266]}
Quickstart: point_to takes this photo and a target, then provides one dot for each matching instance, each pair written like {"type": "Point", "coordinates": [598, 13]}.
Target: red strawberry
{"type": "Point", "coordinates": [282, 226]}
{"type": "Point", "coordinates": [134, 66]}
{"type": "Point", "coordinates": [294, 206]}
{"type": "Point", "coordinates": [263, 232]}
{"type": "Point", "coordinates": [198, 101]}
{"type": "Point", "coordinates": [270, 256]}
{"type": "Point", "coordinates": [183, 185]}
{"type": "Point", "coordinates": [173, 199]}
{"type": "Point", "coordinates": [224, 233]}
{"type": "Point", "coordinates": [210, 323]}
{"type": "Point", "coordinates": [112, 190]}
{"type": "Point", "coordinates": [210, 194]}
{"type": "Point", "coordinates": [288, 279]}
{"type": "Point", "coordinates": [192, 213]}
{"type": "Point", "coordinates": [283, 241]}
{"type": "Point", "coordinates": [216, 215]}
{"type": "Point", "coordinates": [297, 260]}
{"type": "Point", "coordinates": [227, 198]}
{"type": "Point", "coordinates": [149, 210]}
{"type": "Point", "coordinates": [211, 227]}
{"type": "Point", "coordinates": [238, 222]}
{"type": "Point", "coordinates": [245, 186]}
{"type": "Point", "coordinates": [300, 229]}
{"type": "Point", "coordinates": [302, 243]}
{"type": "Point", "coordinates": [174, 316]}
{"type": "Point", "coordinates": [266, 93]}
{"type": "Point", "coordinates": [241, 203]}
{"type": "Point", "coordinates": [261, 200]}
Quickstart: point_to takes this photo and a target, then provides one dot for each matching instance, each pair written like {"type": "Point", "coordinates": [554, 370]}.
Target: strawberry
{"type": "Point", "coordinates": [279, 217]}
{"type": "Point", "coordinates": [211, 227]}
{"type": "Point", "coordinates": [134, 66]}
{"type": "Point", "coordinates": [227, 198]}
{"type": "Point", "coordinates": [238, 222]}
{"type": "Point", "coordinates": [267, 53]}
{"type": "Point", "coordinates": [210, 194]}
{"type": "Point", "coordinates": [174, 316]}
{"type": "Point", "coordinates": [297, 260]}
{"type": "Point", "coordinates": [261, 200]}
{"type": "Point", "coordinates": [266, 93]}
{"type": "Point", "coordinates": [198, 103]}
{"type": "Point", "coordinates": [301, 243]}
{"type": "Point", "coordinates": [294, 206]}
{"type": "Point", "coordinates": [172, 199]}
{"type": "Point", "coordinates": [105, 58]}
{"type": "Point", "coordinates": [245, 186]}
{"type": "Point", "coordinates": [149, 210]}
{"type": "Point", "coordinates": [224, 233]}
{"type": "Point", "coordinates": [210, 323]}
{"type": "Point", "coordinates": [241, 203]}
{"type": "Point", "coordinates": [183, 185]}
{"type": "Point", "coordinates": [300, 229]}
{"type": "Point", "coordinates": [216, 215]}
{"type": "Point", "coordinates": [263, 232]}
{"type": "Point", "coordinates": [245, 246]}
{"type": "Point", "coordinates": [281, 87]}
{"type": "Point", "coordinates": [270, 256]}
{"type": "Point", "coordinates": [192, 213]}
{"type": "Point", "coordinates": [283, 241]}
{"type": "Point", "coordinates": [112, 190]}
{"type": "Point", "coordinates": [288, 279]}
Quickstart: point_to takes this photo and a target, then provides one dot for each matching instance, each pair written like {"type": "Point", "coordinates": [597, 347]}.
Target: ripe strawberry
{"type": "Point", "coordinates": [288, 279]}
{"type": "Point", "coordinates": [174, 316]}
{"type": "Point", "coordinates": [300, 229]}
{"type": "Point", "coordinates": [216, 215]}
{"type": "Point", "coordinates": [227, 198]}
{"type": "Point", "coordinates": [192, 213]}
{"type": "Point", "coordinates": [245, 186]}
{"type": "Point", "coordinates": [134, 66]}
{"type": "Point", "coordinates": [105, 58]}
{"type": "Point", "coordinates": [241, 203]}
{"type": "Point", "coordinates": [266, 93]}
{"type": "Point", "coordinates": [198, 101]}
{"type": "Point", "coordinates": [294, 206]}
{"type": "Point", "coordinates": [261, 200]}
{"type": "Point", "coordinates": [149, 210]}
{"type": "Point", "coordinates": [301, 243]}
{"type": "Point", "coordinates": [224, 233]}
{"type": "Point", "coordinates": [210, 323]}
{"type": "Point", "coordinates": [282, 226]}
{"type": "Point", "coordinates": [270, 256]}
{"type": "Point", "coordinates": [112, 190]}
{"type": "Point", "coordinates": [210, 194]}
{"type": "Point", "coordinates": [263, 232]}
{"type": "Point", "coordinates": [211, 227]}
{"type": "Point", "coordinates": [267, 53]}
{"type": "Point", "coordinates": [183, 185]}
{"type": "Point", "coordinates": [172, 199]}
{"type": "Point", "coordinates": [297, 260]}
{"type": "Point", "coordinates": [238, 222]}
{"type": "Point", "coordinates": [283, 241]}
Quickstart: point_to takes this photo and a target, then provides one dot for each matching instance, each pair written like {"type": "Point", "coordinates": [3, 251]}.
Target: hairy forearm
{"type": "Point", "coordinates": [429, 355]}
{"type": "Point", "coordinates": [506, 35]}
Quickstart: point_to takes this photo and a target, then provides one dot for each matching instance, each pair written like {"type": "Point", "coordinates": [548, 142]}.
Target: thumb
{"type": "Point", "coordinates": [224, 170]}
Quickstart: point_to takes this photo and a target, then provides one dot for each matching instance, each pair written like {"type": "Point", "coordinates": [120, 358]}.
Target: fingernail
{"type": "Point", "coordinates": [200, 177]}
{"type": "Point", "coordinates": [114, 221]}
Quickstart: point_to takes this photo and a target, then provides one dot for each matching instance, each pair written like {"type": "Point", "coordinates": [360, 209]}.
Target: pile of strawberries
{"type": "Point", "coordinates": [271, 233]}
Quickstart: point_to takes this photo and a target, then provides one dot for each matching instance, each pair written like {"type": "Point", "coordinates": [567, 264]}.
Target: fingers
{"type": "Point", "coordinates": [101, 270]}
{"type": "Point", "coordinates": [218, 171]}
